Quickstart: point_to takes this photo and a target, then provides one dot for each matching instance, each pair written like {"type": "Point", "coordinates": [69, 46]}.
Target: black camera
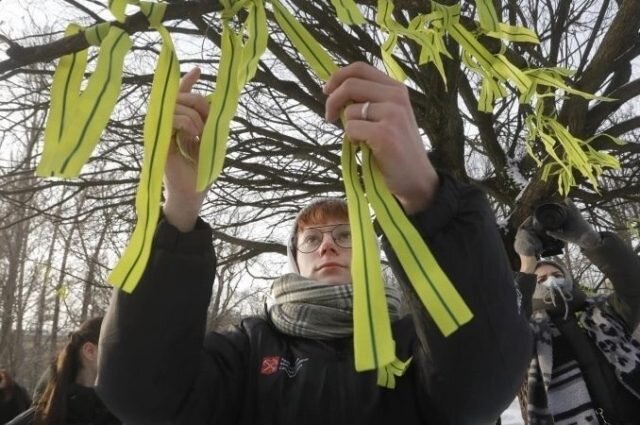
{"type": "Point", "coordinates": [551, 216]}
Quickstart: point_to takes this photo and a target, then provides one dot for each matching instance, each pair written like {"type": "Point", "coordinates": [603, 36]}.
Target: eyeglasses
{"type": "Point", "coordinates": [311, 239]}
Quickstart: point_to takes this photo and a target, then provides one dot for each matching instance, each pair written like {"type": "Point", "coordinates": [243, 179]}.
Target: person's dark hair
{"type": "Point", "coordinates": [51, 406]}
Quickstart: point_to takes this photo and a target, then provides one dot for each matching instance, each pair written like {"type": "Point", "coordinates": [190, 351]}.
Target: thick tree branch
{"type": "Point", "coordinates": [601, 111]}
{"type": "Point", "coordinates": [260, 247]}
{"type": "Point", "coordinates": [616, 43]}
{"type": "Point", "coordinates": [23, 56]}
{"type": "Point", "coordinates": [621, 128]}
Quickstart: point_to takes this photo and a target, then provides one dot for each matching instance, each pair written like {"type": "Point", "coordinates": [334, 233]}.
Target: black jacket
{"type": "Point", "coordinates": [619, 263]}
{"type": "Point", "coordinates": [17, 402]}
{"type": "Point", "coordinates": [83, 408]}
{"type": "Point", "coordinates": [156, 367]}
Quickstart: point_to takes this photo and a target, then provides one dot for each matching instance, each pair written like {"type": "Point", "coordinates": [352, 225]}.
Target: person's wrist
{"type": "Point", "coordinates": [528, 263]}
{"type": "Point", "coordinates": [590, 240]}
{"type": "Point", "coordinates": [421, 195]}
{"type": "Point", "coordinates": [181, 211]}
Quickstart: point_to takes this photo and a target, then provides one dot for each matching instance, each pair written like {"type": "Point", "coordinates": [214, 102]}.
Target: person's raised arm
{"type": "Point", "coordinates": [528, 246]}
{"type": "Point", "coordinates": [152, 365]}
{"type": "Point", "coordinates": [182, 201]}
{"type": "Point", "coordinates": [472, 375]}
{"type": "Point", "coordinates": [613, 257]}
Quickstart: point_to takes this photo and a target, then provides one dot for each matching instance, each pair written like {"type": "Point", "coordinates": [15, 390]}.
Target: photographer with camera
{"type": "Point", "coordinates": [586, 365]}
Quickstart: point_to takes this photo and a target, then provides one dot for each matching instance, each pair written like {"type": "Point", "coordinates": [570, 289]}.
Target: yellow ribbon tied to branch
{"type": "Point", "coordinates": [77, 119]}
{"type": "Point", "coordinates": [497, 73]}
{"type": "Point", "coordinates": [157, 139]}
{"type": "Point", "coordinates": [238, 65]}
{"type": "Point", "coordinates": [576, 154]}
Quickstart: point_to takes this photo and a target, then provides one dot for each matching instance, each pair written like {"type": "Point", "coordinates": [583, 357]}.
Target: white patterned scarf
{"type": "Point", "coordinates": [557, 393]}
{"type": "Point", "coordinates": [615, 342]}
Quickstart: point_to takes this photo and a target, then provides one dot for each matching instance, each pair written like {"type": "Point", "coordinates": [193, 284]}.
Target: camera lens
{"type": "Point", "coordinates": [550, 216]}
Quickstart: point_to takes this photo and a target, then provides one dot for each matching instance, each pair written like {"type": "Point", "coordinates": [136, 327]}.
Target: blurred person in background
{"type": "Point", "coordinates": [69, 397]}
{"type": "Point", "coordinates": [13, 398]}
{"type": "Point", "coordinates": [586, 363]}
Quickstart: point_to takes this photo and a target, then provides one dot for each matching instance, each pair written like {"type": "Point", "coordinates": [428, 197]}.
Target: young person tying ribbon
{"type": "Point", "coordinates": [296, 364]}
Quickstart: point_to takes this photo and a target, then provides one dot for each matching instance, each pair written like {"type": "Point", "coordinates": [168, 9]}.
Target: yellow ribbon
{"type": "Point", "coordinates": [117, 8]}
{"type": "Point", "coordinates": [384, 18]}
{"type": "Point", "coordinates": [65, 90]}
{"type": "Point", "coordinates": [373, 339]}
{"type": "Point", "coordinates": [74, 141]}
{"type": "Point", "coordinates": [157, 139]}
{"type": "Point", "coordinates": [576, 154]}
{"type": "Point", "coordinates": [317, 58]}
{"type": "Point", "coordinates": [496, 70]}
{"type": "Point", "coordinates": [77, 120]}
{"type": "Point", "coordinates": [348, 12]}
{"type": "Point", "coordinates": [487, 15]}
{"type": "Point", "coordinates": [238, 64]}
{"type": "Point", "coordinates": [441, 299]}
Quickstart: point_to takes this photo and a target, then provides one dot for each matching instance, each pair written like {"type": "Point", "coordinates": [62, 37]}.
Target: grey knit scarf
{"type": "Point", "coordinates": [306, 308]}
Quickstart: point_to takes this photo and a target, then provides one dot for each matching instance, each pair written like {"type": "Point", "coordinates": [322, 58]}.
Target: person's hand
{"type": "Point", "coordinates": [183, 202]}
{"type": "Point", "coordinates": [576, 229]}
{"type": "Point", "coordinates": [389, 129]}
{"type": "Point", "coordinates": [527, 243]}
{"type": "Point", "coordinates": [528, 246]}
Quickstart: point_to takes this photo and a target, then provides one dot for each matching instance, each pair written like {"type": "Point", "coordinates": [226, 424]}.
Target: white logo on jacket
{"type": "Point", "coordinates": [291, 369]}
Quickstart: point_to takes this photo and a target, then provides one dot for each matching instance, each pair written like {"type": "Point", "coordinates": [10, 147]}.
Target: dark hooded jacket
{"type": "Point", "coordinates": [13, 402]}
{"type": "Point", "coordinates": [621, 266]}
{"type": "Point", "coordinates": [157, 366]}
{"type": "Point", "coordinates": [83, 408]}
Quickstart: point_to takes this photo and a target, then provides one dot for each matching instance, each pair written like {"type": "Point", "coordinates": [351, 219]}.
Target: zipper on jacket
{"type": "Point", "coordinates": [600, 413]}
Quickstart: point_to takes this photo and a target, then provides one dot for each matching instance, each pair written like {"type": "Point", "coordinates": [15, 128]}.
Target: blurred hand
{"type": "Point", "coordinates": [527, 243]}
{"type": "Point", "coordinates": [528, 246]}
{"type": "Point", "coordinates": [183, 202]}
{"type": "Point", "coordinates": [389, 129]}
{"type": "Point", "coordinates": [576, 229]}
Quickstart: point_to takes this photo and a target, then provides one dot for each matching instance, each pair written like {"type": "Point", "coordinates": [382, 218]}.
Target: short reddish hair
{"type": "Point", "coordinates": [320, 211]}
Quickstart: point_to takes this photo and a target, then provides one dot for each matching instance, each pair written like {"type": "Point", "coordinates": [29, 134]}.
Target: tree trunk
{"type": "Point", "coordinates": [55, 322]}
{"type": "Point", "coordinates": [91, 272]}
{"type": "Point", "coordinates": [15, 248]}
